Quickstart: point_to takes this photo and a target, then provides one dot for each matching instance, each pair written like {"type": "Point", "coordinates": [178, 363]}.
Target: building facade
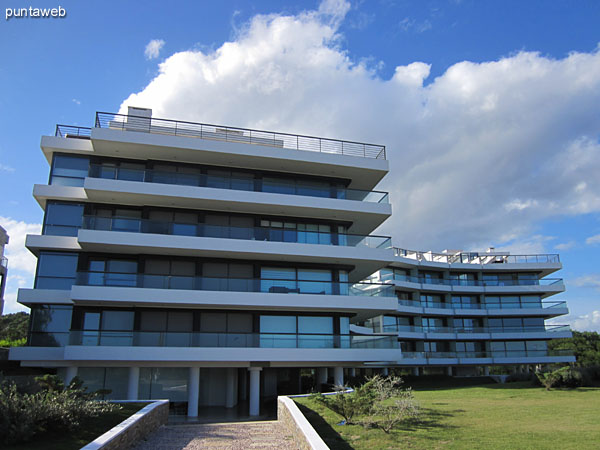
{"type": "Point", "coordinates": [212, 265]}
{"type": "Point", "coordinates": [3, 266]}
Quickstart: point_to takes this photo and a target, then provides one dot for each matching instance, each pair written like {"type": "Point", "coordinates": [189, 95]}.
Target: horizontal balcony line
{"type": "Point", "coordinates": [279, 286]}
{"type": "Point", "coordinates": [485, 306]}
{"type": "Point", "coordinates": [238, 135]}
{"type": "Point", "coordinates": [209, 339]}
{"type": "Point", "coordinates": [248, 184]}
{"type": "Point", "coordinates": [476, 258]}
{"type": "Point", "coordinates": [474, 283]}
{"type": "Point", "coordinates": [490, 354]}
{"type": "Point", "coordinates": [271, 234]}
{"type": "Point", "coordinates": [417, 329]}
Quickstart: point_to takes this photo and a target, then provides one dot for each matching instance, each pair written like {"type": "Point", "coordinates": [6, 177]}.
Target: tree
{"type": "Point", "coordinates": [585, 346]}
{"type": "Point", "coordinates": [13, 327]}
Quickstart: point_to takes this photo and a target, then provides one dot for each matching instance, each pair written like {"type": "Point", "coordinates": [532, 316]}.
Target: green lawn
{"type": "Point", "coordinates": [491, 416]}
{"type": "Point", "coordinates": [86, 433]}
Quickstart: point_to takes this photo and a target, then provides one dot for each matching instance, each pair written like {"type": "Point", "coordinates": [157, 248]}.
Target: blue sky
{"type": "Point", "coordinates": [502, 94]}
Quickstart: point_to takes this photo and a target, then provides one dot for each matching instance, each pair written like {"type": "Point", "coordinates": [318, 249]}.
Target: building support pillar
{"type": "Point", "coordinates": [351, 372]}
{"type": "Point", "coordinates": [338, 376]}
{"type": "Point", "coordinates": [70, 374]}
{"type": "Point", "coordinates": [255, 390]}
{"type": "Point", "coordinates": [385, 372]}
{"type": "Point", "coordinates": [486, 371]}
{"type": "Point", "coordinates": [321, 376]}
{"type": "Point", "coordinates": [133, 383]}
{"type": "Point", "coordinates": [193, 391]}
{"type": "Point", "coordinates": [230, 399]}
{"type": "Point", "coordinates": [243, 385]}
{"type": "Point", "coordinates": [416, 371]}
{"type": "Point", "coordinates": [449, 371]}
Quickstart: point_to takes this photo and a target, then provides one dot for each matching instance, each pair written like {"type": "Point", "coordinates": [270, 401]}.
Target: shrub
{"type": "Point", "coordinates": [379, 403]}
{"type": "Point", "coordinates": [569, 377]}
{"type": "Point", "coordinates": [55, 408]}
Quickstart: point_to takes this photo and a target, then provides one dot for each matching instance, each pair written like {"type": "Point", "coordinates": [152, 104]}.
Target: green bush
{"type": "Point", "coordinates": [55, 409]}
{"type": "Point", "coordinates": [13, 342]}
{"type": "Point", "coordinates": [568, 377]}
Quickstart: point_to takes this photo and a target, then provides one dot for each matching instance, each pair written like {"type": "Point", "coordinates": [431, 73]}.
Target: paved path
{"type": "Point", "coordinates": [220, 436]}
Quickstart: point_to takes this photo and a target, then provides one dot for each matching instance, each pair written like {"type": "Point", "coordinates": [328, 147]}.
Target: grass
{"type": "Point", "coordinates": [85, 434]}
{"type": "Point", "coordinates": [492, 416]}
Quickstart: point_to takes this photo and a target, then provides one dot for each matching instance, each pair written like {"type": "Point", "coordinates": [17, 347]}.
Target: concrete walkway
{"type": "Point", "coordinates": [221, 436]}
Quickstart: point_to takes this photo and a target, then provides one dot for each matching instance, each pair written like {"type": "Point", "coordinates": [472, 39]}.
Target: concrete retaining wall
{"type": "Point", "coordinates": [292, 418]}
{"type": "Point", "coordinates": [134, 428]}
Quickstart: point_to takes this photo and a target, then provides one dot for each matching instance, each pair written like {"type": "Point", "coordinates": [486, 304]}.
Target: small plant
{"type": "Point", "coordinates": [379, 403]}
{"type": "Point", "coordinates": [569, 377]}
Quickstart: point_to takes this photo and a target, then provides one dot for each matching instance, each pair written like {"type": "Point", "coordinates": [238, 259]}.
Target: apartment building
{"type": "Point", "coordinates": [3, 266]}
{"type": "Point", "coordinates": [213, 266]}
{"type": "Point", "coordinates": [206, 264]}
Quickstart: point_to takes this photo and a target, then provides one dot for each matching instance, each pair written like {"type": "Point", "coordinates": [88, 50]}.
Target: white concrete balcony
{"type": "Point", "coordinates": [545, 309]}
{"type": "Point", "coordinates": [481, 333]}
{"type": "Point", "coordinates": [485, 358]}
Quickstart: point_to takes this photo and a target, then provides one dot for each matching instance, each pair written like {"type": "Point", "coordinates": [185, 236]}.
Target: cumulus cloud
{"type": "Point", "coordinates": [586, 322]}
{"type": "Point", "coordinates": [479, 155]}
{"type": "Point", "coordinates": [564, 246]}
{"type": "Point", "coordinates": [591, 281]}
{"type": "Point", "coordinates": [153, 48]}
{"type": "Point", "coordinates": [21, 263]}
{"type": "Point", "coordinates": [593, 240]}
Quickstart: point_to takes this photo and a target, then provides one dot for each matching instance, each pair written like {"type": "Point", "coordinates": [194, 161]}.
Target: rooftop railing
{"type": "Point", "coordinates": [238, 135]}
{"type": "Point", "coordinates": [201, 283]}
{"type": "Point", "coordinates": [547, 328]}
{"type": "Point", "coordinates": [494, 305]}
{"type": "Point", "coordinates": [487, 354]}
{"type": "Point", "coordinates": [70, 131]}
{"type": "Point", "coordinates": [476, 258]}
{"type": "Point", "coordinates": [273, 234]}
{"type": "Point", "coordinates": [234, 183]}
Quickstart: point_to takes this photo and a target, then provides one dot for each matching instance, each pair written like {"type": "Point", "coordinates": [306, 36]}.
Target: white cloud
{"type": "Point", "coordinates": [153, 48]}
{"type": "Point", "coordinates": [478, 157]}
{"type": "Point", "coordinates": [77, 102]}
{"type": "Point", "coordinates": [5, 168]}
{"type": "Point", "coordinates": [586, 322]}
{"type": "Point", "coordinates": [408, 24]}
{"type": "Point", "coordinates": [592, 281]}
{"type": "Point", "coordinates": [564, 246]}
{"type": "Point", "coordinates": [593, 240]}
{"type": "Point", "coordinates": [21, 263]}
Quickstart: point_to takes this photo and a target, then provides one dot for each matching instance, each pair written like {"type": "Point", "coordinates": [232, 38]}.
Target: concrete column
{"type": "Point", "coordinates": [230, 399]}
{"type": "Point", "coordinates": [243, 382]}
{"type": "Point", "coordinates": [70, 374]}
{"type": "Point", "coordinates": [351, 372]}
{"type": "Point", "coordinates": [133, 383]}
{"type": "Point", "coordinates": [385, 372]}
{"type": "Point", "coordinates": [486, 371]}
{"type": "Point", "coordinates": [321, 376]}
{"type": "Point", "coordinates": [449, 371]}
{"type": "Point", "coordinates": [416, 371]}
{"type": "Point", "coordinates": [255, 390]}
{"type": "Point", "coordinates": [193, 391]}
{"type": "Point", "coordinates": [338, 376]}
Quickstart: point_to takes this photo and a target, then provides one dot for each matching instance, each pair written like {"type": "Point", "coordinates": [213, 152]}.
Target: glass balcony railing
{"type": "Point", "coordinates": [496, 305]}
{"type": "Point", "coordinates": [270, 234]}
{"type": "Point", "coordinates": [453, 330]}
{"type": "Point", "coordinates": [202, 339]}
{"type": "Point", "coordinates": [488, 354]}
{"type": "Point", "coordinates": [233, 284]}
{"type": "Point", "coordinates": [4, 262]}
{"type": "Point", "coordinates": [235, 183]}
{"type": "Point", "coordinates": [477, 258]}
{"type": "Point", "coordinates": [386, 276]}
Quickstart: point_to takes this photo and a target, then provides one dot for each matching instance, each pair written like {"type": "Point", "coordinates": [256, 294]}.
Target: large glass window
{"type": "Point", "coordinates": [63, 219]}
{"type": "Point", "coordinates": [164, 382]}
{"type": "Point", "coordinates": [69, 170]}
{"type": "Point", "coordinates": [56, 270]}
{"type": "Point", "coordinates": [113, 379]}
{"type": "Point", "coordinates": [50, 325]}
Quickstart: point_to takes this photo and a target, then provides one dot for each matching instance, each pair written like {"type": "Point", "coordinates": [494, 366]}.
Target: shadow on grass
{"type": "Point", "coordinates": [331, 437]}
{"type": "Point", "coordinates": [430, 419]}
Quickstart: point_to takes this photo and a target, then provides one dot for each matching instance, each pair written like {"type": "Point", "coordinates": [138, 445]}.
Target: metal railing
{"type": "Point", "coordinates": [476, 258]}
{"type": "Point", "coordinates": [69, 131]}
{"type": "Point", "coordinates": [234, 183]}
{"type": "Point", "coordinates": [495, 305]}
{"type": "Point", "coordinates": [234, 232]}
{"type": "Point", "coordinates": [459, 282]}
{"type": "Point", "coordinates": [239, 135]}
{"type": "Point", "coordinates": [546, 328]}
{"type": "Point", "coordinates": [201, 283]}
{"type": "Point", "coordinates": [487, 354]}
{"type": "Point", "coordinates": [205, 339]}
